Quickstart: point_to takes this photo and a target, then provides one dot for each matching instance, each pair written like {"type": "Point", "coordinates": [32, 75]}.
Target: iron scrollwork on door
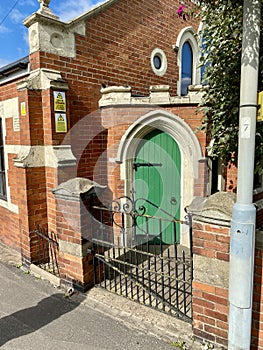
{"type": "Point", "coordinates": [126, 206]}
{"type": "Point", "coordinates": [136, 209]}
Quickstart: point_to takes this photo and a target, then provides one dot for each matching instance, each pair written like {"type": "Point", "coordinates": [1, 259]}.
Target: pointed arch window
{"type": "Point", "coordinates": [188, 51]}
{"type": "Point", "coordinates": [186, 67]}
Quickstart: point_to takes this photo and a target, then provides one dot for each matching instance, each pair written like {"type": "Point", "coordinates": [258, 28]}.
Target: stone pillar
{"type": "Point", "coordinates": [211, 240]}
{"type": "Point", "coordinates": [74, 234]}
{"type": "Point", "coordinates": [39, 160]}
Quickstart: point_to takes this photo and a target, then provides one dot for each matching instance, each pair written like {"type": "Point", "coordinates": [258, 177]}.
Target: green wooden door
{"type": "Point", "coordinates": [157, 184]}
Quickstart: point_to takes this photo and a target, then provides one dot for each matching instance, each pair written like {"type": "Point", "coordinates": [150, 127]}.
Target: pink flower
{"type": "Point", "coordinates": [180, 10]}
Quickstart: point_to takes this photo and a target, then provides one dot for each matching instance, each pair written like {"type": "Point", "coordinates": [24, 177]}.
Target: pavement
{"type": "Point", "coordinates": [33, 311]}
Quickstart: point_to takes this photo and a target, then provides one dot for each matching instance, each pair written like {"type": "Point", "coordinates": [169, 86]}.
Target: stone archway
{"type": "Point", "coordinates": [181, 132]}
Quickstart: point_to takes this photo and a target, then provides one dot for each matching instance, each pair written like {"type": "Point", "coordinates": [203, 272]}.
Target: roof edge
{"type": "Point", "coordinates": [92, 12]}
{"type": "Point", "coordinates": [21, 63]}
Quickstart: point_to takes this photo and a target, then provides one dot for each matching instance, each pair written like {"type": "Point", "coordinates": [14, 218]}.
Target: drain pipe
{"type": "Point", "coordinates": [242, 241]}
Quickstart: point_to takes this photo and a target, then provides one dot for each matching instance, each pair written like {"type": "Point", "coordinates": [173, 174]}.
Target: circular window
{"type": "Point", "coordinates": [158, 62]}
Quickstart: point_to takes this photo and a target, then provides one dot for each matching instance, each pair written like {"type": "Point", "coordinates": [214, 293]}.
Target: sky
{"type": "Point", "coordinates": [13, 34]}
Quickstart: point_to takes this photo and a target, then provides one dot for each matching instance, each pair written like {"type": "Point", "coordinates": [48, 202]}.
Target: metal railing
{"type": "Point", "coordinates": [45, 245]}
{"type": "Point", "coordinates": [152, 269]}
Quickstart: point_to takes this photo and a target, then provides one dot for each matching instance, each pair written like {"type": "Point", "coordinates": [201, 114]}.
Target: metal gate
{"type": "Point", "coordinates": [46, 250]}
{"type": "Point", "coordinates": [133, 262]}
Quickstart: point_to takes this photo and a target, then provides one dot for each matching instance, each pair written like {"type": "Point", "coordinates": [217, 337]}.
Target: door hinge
{"type": "Point", "coordinates": [135, 166]}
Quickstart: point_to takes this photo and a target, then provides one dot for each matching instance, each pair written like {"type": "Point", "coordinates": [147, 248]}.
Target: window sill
{"type": "Point", "coordinates": [4, 203]}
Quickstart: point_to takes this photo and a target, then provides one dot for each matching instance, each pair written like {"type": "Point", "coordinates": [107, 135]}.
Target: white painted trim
{"type": "Point", "coordinates": [6, 203]}
{"type": "Point", "coordinates": [188, 34]}
{"type": "Point", "coordinates": [169, 123]}
{"type": "Point", "coordinates": [9, 206]}
{"type": "Point", "coordinates": [161, 54]}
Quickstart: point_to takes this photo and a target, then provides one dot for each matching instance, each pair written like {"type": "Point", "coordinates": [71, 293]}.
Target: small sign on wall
{"type": "Point", "coordinates": [260, 107]}
{"type": "Point", "coordinates": [16, 123]}
{"type": "Point", "coordinates": [59, 101]}
{"type": "Point", "coordinates": [61, 107]}
{"type": "Point", "coordinates": [23, 109]}
{"type": "Point", "coordinates": [61, 122]}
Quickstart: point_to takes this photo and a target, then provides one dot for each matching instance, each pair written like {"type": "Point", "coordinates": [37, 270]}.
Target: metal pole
{"type": "Point", "coordinates": [242, 240]}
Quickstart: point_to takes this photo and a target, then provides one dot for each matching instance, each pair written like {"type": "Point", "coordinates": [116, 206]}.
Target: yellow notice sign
{"type": "Point", "coordinates": [59, 101]}
{"type": "Point", "coordinates": [260, 109]}
{"type": "Point", "coordinates": [23, 109]}
{"type": "Point", "coordinates": [61, 122]}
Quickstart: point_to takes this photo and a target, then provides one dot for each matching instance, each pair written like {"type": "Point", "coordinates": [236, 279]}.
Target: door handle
{"type": "Point", "coordinates": [173, 201]}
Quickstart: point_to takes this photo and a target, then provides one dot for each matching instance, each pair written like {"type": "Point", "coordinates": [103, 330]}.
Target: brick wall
{"type": "Point", "coordinates": [73, 229]}
{"type": "Point", "coordinates": [116, 51]}
{"type": "Point", "coordinates": [210, 313]}
{"type": "Point", "coordinates": [210, 285]}
{"type": "Point", "coordinates": [210, 295]}
{"type": "Point", "coordinates": [10, 220]}
{"type": "Point", "coordinates": [257, 315]}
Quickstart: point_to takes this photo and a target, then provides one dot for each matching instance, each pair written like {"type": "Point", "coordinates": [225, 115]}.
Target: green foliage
{"type": "Point", "coordinates": [222, 39]}
{"type": "Point", "coordinates": [179, 344]}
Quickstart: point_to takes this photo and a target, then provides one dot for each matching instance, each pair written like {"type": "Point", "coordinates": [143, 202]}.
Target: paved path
{"type": "Point", "coordinates": [35, 315]}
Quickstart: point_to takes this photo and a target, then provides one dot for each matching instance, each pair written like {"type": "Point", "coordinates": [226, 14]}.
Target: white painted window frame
{"type": "Point", "coordinates": [161, 54]}
{"type": "Point", "coordinates": [188, 35]}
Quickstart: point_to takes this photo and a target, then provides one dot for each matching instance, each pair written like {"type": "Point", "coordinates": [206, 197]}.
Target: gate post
{"type": "Point", "coordinates": [211, 240]}
{"type": "Point", "coordinates": [73, 224]}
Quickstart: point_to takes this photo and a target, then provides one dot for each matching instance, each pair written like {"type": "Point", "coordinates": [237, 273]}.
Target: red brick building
{"type": "Point", "coordinates": [112, 54]}
{"type": "Point", "coordinates": [78, 107]}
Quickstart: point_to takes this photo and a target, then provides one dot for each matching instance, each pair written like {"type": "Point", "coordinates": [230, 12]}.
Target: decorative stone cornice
{"type": "Point", "coordinates": [47, 33]}
{"type": "Point", "coordinates": [42, 79]}
{"type": "Point", "coordinates": [49, 156]}
{"type": "Point", "coordinates": [59, 156]}
{"type": "Point", "coordinates": [73, 188]}
{"type": "Point", "coordinates": [29, 157]}
{"type": "Point", "coordinates": [45, 10]}
{"type": "Point", "coordinates": [113, 95]}
{"type": "Point", "coordinates": [159, 95]}
{"type": "Point", "coordinates": [215, 209]}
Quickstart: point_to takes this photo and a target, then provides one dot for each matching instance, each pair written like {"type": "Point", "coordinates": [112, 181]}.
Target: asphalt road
{"type": "Point", "coordinates": [35, 315]}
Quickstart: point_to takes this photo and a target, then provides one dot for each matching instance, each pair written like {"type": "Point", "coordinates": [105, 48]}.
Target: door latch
{"type": "Point", "coordinates": [135, 166]}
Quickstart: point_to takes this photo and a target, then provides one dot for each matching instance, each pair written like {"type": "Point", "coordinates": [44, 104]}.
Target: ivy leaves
{"type": "Point", "coordinates": [221, 55]}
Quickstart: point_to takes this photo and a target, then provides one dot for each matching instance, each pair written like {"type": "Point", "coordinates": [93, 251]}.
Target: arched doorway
{"type": "Point", "coordinates": [157, 186]}
{"type": "Point", "coordinates": [181, 133]}
{"type": "Point", "coordinates": [158, 157]}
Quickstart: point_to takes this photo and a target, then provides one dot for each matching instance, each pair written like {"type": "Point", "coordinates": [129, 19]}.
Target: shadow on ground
{"type": "Point", "coordinates": [33, 318]}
